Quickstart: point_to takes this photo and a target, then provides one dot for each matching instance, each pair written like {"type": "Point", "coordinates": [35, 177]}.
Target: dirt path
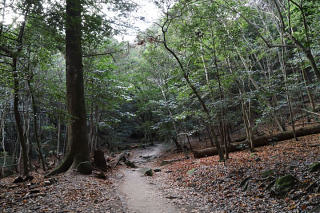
{"type": "Point", "coordinates": [138, 194]}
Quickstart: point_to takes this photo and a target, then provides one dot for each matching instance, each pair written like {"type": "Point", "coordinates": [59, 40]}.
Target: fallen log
{"type": "Point", "coordinates": [260, 141]}
{"type": "Point", "coordinates": [165, 162]}
{"type": "Point", "coordinates": [303, 131]}
{"type": "Point", "coordinates": [213, 151]}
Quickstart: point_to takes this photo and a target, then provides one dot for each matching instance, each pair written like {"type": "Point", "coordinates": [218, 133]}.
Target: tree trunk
{"type": "Point", "coordinates": [35, 126]}
{"type": "Point", "coordinates": [17, 116]}
{"type": "Point", "coordinates": [310, 96]}
{"type": "Point", "coordinates": [58, 136]}
{"type": "Point", "coordinates": [174, 137]}
{"type": "Point", "coordinates": [2, 129]}
{"type": "Point", "coordinates": [281, 55]}
{"type": "Point", "coordinates": [26, 135]}
{"type": "Point", "coordinates": [194, 90]}
{"type": "Point", "coordinates": [77, 131]}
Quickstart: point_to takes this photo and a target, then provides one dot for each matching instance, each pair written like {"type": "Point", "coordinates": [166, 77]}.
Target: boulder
{"type": "Point", "coordinates": [149, 172]}
{"type": "Point", "coordinates": [101, 175]}
{"type": "Point", "coordinates": [130, 164]}
{"type": "Point", "coordinates": [84, 168]}
{"type": "Point", "coordinates": [285, 183]}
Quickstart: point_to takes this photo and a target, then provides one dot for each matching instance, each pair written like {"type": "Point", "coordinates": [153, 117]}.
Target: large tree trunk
{"type": "Point", "coordinates": [260, 141]}
{"type": "Point", "coordinates": [78, 149]}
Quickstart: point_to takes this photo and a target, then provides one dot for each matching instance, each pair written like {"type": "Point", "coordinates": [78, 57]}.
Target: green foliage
{"type": "Point", "coordinates": [225, 48]}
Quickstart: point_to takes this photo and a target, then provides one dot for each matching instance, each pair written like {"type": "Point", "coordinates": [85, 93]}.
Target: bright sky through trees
{"type": "Point", "coordinates": [147, 13]}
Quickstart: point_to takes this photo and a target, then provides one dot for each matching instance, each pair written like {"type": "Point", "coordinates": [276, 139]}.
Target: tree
{"type": "Point", "coordinates": [14, 53]}
{"type": "Point", "coordinates": [78, 150]}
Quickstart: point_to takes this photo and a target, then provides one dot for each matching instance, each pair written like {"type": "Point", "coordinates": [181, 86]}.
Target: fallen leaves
{"type": "Point", "coordinates": [219, 182]}
{"type": "Point", "coordinates": [65, 193]}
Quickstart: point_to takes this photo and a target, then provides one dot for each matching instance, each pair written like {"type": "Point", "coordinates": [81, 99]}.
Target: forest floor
{"type": "Point", "coordinates": [185, 185]}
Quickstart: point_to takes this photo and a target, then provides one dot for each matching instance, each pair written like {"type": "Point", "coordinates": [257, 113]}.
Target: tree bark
{"type": "Point", "coordinates": [35, 126]}
{"type": "Point", "coordinates": [2, 129]}
{"type": "Point", "coordinates": [77, 132]}
{"type": "Point", "coordinates": [18, 117]}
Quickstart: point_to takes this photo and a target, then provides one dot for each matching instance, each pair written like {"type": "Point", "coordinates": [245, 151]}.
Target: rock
{"type": "Point", "coordinates": [285, 183]}
{"type": "Point", "coordinates": [157, 170]}
{"type": "Point", "coordinates": [130, 164]}
{"type": "Point", "coordinates": [314, 167]}
{"type": "Point", "coordinates": [171, 197]}
{"type": "Point", "coordinates": [101, 175]}
{"type": "Point", "coordinates": [149, 172]}
{"type": "Point", "coordinates": [18, 180]}
{"type": "Point", "coordinates": [47, 183]}
{"type": "Point", "coordinates": [84, 168]}
{"type": "Point", "coordinates": [99, 160]}
{"type": "Point", "coordinates": [267, 173]}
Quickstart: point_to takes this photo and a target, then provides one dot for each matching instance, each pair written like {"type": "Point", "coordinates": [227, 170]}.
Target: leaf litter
{"type": "Point", "coordinates": [244, 183]}
{"type": "Point", "coordinates": [63, 193]}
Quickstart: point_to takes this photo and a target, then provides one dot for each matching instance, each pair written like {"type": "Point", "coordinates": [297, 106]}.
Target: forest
{"type": "Point", "coordinates": [215, 107]}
